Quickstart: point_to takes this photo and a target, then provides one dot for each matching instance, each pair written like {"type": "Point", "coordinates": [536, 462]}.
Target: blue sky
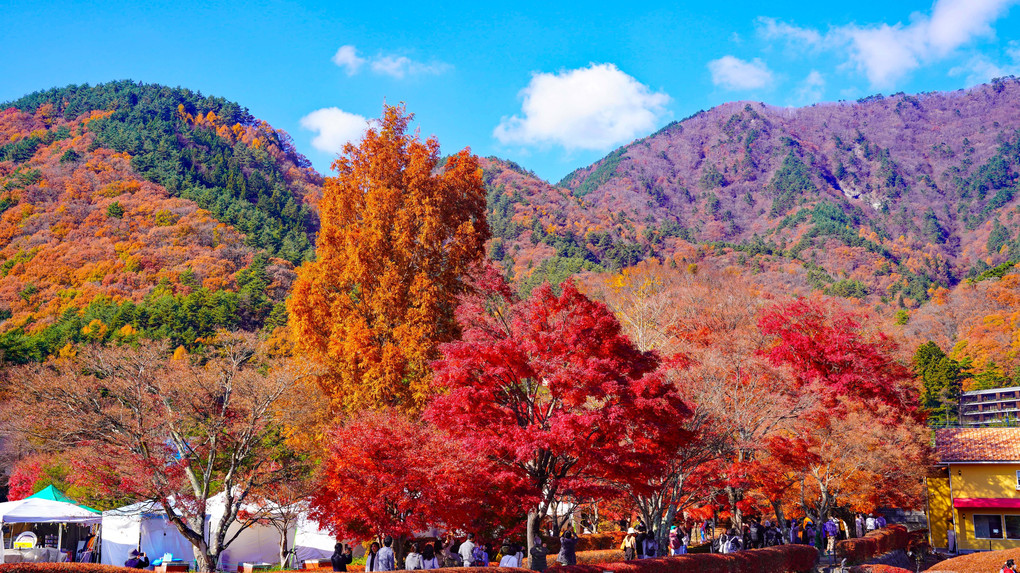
{"type": "Point", "coordinates": [551, 85]}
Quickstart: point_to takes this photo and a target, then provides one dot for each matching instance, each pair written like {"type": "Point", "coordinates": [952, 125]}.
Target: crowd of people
{"type": "Point", "coordinates": [638, 543]}
{"type": "Point", "coordinates": [754, 534]}
{"type": "Point", "coordinates": [449, 552]}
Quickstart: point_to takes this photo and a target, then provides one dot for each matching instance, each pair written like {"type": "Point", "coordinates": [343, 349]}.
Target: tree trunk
{"type": "Point", "coordinates": [283, 548]}
{"type": "Point", "coordinates": [205, 562]}
{"type": "Point", "coordinates": [733, 497]}
{"type": "Point", "coordinates": [399, 543]}
{"type": "Point", "coordinates": [534, 522]}
{"type": "Point", "coordinates": [781, 521]}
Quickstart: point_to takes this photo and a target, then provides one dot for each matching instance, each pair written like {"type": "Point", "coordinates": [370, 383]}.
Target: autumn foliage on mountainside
{"type": "Point", "coordinates": [883, 201]}
{"type": "Point", "coordinates": [977, 324]}
{"type": "Point", "coordinates": [399, 233]}
{"type": "Point", "coordinates": [119, 218]}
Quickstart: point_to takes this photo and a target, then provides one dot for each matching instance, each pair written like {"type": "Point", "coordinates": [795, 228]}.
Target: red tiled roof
{"type": "Point", "coordinates": [977, 444]}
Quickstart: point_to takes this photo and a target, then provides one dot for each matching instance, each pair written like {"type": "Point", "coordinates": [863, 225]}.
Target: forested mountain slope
{"type": "Point", "coordinates": [135, 209]}
{"type": "Point", "coordinates": [884, 199]}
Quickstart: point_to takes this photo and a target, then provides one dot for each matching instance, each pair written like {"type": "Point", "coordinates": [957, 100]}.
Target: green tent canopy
{"type": "Point", "coordinates": [51, 493]}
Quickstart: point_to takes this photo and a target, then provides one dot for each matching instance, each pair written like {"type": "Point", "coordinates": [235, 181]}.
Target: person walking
{"type": "Point", "coordinates": [387, 559]}
{"type": "Point", "coordinates": [859, 525]}
{"type": "Point", "coordinates": [880, 521]}
{"type": "Point", "coordinates": [755, 534]}
{"type": "Point", "coordinates": [629, 545]}
{"type": "Point", "coordinates": [445, 552]}
{"type": "Point", "coordinates": [413, 561]}
{"type": "Point", "coordinates": [674, 541]}
{"type": "Point", "coordinates": [428, 557]}
{"type": "Point", "coordinates": [372, 558]}
{"type": "Point", "coordinates": [568, 549]}
{"type": "Point", "coordinates": [480, 556]}
{"type": "Point", "coordinates": [869, 524]}
{"type": "Point", "coordinates": [831, 533]}
{"type": "Point", "coordinates": [467, 550]}
{"type": "Point", "coordinates": [538, 555]}
{"type": "Point", "coordinates": [651, 545]}
{"type": "Point", "coordinates": [341, 557]}
{"type": "Point", "coordinates": [809, 533]}
{"type": "Point", "coordinates": [509, 558]}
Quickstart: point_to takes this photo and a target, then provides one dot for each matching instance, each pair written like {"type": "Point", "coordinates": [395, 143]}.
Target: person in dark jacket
{"type": "Point", "coordinates": [568, 549]}
{"type": "Point", "coordinates": [341, 557]}
{"type": "Point", "coordinates": [538, 553]}
{"type": "Point", "coordinates": [138, 560]}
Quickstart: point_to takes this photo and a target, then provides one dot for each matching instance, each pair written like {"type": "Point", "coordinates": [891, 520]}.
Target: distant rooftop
{"type": "Point", "coordinates": [991, 391]}
{"type": "Point", "coordinates": [977, 445]}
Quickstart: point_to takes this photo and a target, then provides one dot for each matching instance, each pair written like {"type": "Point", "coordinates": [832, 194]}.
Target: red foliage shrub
{"type": "Point", "coordinates": [599, 557]}
{"type": "Point", "coordinates": [590, 542]}
{"type": "Point", "coordinates": [857, 549]}
{"type": "Point", "coordinates": [61, 568]}
{"type": "Point", "coordinates": [780, 559]}
{"type": "Point", "coordinates": [877, 568]}
{"type": "Point", "coordinates": [875, 543]}
{"type": "Point", "coordinates": [982, 562]}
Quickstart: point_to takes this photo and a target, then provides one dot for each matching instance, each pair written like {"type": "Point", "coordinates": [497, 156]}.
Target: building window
{"type": "Point", "coordinates": [1012, 526]}
{"type": "Point", "coordinates": [988, 526]}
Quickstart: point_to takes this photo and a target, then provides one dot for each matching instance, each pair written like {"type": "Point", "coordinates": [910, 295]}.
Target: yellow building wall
{"type": "Point", "coordinates": [940, 510]}
{"type": "Point", "coordinates": [982, 481]}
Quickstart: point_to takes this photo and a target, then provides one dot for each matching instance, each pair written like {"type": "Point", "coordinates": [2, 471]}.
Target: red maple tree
{"type": "Point", "coordinates": [550, 389]}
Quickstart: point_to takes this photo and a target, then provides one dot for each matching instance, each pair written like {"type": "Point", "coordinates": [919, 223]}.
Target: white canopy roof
{"type": "Point", "coordinates": [36, 510]}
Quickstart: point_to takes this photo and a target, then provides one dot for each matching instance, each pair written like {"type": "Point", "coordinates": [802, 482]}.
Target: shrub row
{"type": "Point", "coordinates": [980, 562]}
{"type": "Point", "coordinates": [599, 557]}
{"type": "Point", "coordinates": [61, 568]}
{"type": "Point", "coordinates": [590, 542]}
{"type": "Point", "coordinates": [779, 559]}
{"type": "Point", "coordinates": [876, 568]}
{"type": "Point", "coordinates": [873, 544]}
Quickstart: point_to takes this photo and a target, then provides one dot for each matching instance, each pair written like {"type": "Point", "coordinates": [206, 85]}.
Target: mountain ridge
{"type": "Point", "coordinates": [935, 169]}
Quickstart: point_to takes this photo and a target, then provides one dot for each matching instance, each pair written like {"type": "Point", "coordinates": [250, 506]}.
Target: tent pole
{"type": "Point", "coordinates": [60, 536]}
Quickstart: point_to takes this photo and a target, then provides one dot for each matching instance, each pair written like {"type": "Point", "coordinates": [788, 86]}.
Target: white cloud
{"type": "Point", "coordinates": [980, 69]}
{"type": "Point", "coordinates": [956, 22]}
{"type": "Point", "coordinates": [735, 74]}
{"type": "Point", "coordinates": [335, 128]}
{"type": "Point", "coordinates": [394, 66]}
{"type": "Point", "coordinates": [772, 29]}
{"type": "Point", "coordinates": [347, 57]}
{"type": "Point", "coordinates": [596, 108]}
{"type": "Point", "coordinates": [400, 66]}
{"type": "Point", "coordinates": [886, 53]}
{"type": "Point", "coordinates": [812, 89]}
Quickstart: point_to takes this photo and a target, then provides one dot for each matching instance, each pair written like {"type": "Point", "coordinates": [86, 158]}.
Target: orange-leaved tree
{"type": "Point", "coordinates": [399, 234]}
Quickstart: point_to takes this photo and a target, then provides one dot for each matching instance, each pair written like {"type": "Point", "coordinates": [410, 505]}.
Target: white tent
{"type": "Point", "coordinates": [36, 510]}
{"type": "Point", "coordinates": [261, 543]}
{"type": "Point", "coordinates": [145, 524]}
{"type": "Point", "coordinates": [311, 542]}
